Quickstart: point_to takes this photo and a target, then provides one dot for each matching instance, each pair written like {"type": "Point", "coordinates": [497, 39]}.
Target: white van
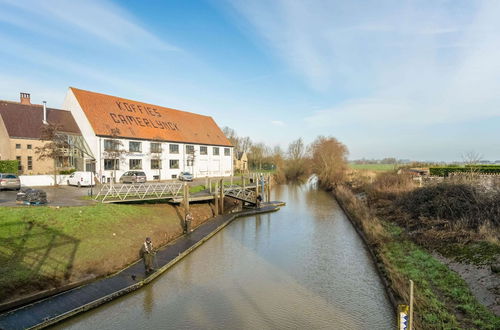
{"type": "Point", "coordinates": [81, 179]}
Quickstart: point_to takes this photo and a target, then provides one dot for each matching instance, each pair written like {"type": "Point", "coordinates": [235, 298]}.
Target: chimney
{"type": "Point", "coordinates": [25, 98]}
{"type": "Point", "coordinates": [44, 112]}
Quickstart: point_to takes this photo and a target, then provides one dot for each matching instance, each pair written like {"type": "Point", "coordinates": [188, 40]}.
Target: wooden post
{"type": "Point", "coordinates": [186, 198]}
{"type": "Point", "coordinates": [243, 182]}
{"type": "Point", "coordinates": [268, 188]}
{"type": "Point", "coordinates": [410, 322]}
{"type": "Point", "coordinates": [216, 199]}
{"type": "Point", "coordinates": [231, 180]}
{"type": "Point", "coordinates": [210, 185]}
{"type": "Point", "coordinates": [206, 181]}
{"type": "Point", "coordinates": [221, 199]}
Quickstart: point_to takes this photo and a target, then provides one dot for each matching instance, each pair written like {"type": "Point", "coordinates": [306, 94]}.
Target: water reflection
{"type": "Point", "coordinates": [302, 267]}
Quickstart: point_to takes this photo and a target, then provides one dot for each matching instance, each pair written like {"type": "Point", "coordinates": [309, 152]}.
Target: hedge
{"type": "Point", "coordinates": [445, 171]}
{"type": "Point", "coordinates": [9, 166]}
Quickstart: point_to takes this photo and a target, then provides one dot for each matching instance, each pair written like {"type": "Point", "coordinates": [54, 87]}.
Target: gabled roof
{"type": "Point", "coordinates": [140, 120]}
{"type": "Point", "coordinates": [26, 120]}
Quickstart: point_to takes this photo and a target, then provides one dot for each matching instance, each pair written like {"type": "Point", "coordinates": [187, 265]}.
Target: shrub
{"type": "Point", "coordinates": [454, 202]}
{"type": "Point", "coordinates": [67, 171]}
{"type": "Point", "coordinates": [9, 166]}
{"type": "Point", "coordinates": [446, 170]}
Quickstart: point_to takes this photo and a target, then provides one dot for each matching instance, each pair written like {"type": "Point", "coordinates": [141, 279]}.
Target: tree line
{"type": "Point", "coordinates": [325, 157]}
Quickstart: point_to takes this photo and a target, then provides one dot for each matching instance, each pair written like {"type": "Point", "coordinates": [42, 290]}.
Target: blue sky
{"type": "Point", "coordinates": [410, 79]}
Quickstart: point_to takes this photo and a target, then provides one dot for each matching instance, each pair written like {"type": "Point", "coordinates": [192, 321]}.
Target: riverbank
{"type": "Point", "coordinates": [442, 298]}
{"type": "Point", "coordinates": [46, 249]}
{"type": "Point", "coordinates": [56, 308]}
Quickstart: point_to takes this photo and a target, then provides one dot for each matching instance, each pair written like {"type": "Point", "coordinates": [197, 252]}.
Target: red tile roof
{"type": "Point", "coordinates": [26, 120]}
{"type": "Point", "coordinates": [140, 120]}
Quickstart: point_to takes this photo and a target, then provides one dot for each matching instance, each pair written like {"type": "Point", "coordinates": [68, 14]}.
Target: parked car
{"type": "Point", "coordinates": [80, 179]}
{"type": "Point", "coordinates": [185, 176]}
{"type": "Point", "coordinates": [133, 177]}
{"type": "Point", "coordinates": [9, 181]}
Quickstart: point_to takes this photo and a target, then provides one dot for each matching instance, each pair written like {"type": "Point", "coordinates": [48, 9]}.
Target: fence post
{"type": "Point", "coordinates": [221, 199]}
{"type": "Point", "coordinates": [410, 323]}
{"type": "Point", "coordinates": [216, 199]}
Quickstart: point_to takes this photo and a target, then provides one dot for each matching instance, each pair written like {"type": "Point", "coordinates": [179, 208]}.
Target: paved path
{"type": "Point", "coordinates": [61, 306]}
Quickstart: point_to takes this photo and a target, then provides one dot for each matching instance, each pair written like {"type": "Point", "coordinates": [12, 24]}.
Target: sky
{"type": "Point", "coordinates": [413, 80]}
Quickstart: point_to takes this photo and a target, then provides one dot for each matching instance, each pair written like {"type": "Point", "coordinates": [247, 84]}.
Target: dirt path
{"type": "Point", "coordinates": [483, 283]}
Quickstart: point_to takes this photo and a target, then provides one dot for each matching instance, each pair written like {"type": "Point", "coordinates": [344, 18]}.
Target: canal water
{"type": "Point", "coordinates": [303, 267]}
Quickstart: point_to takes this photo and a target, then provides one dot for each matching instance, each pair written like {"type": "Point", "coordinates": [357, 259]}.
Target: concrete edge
{"type": "Point", "coordinates": [150, 278]}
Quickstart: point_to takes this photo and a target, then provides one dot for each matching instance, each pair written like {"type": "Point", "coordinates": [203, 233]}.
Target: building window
{"type": "Point", "coordinates": [174, 176]}
{"type": "Point", "coordinates": [111, 164]}
{"type": "Point", "coordinates": [134, 146]}
{"type": "Point", "coordinates": [203, 150]}
{"type": "Point", "coordinates": [18, 146]}
{"type": "Point", "coordinates": [155, 164]}
{"type": "Point", "coordinates": [174, 148]}
{"type": "Point", "coordinates": [216, 151]}
{"type": "Point", "coordinates": [111, 145]}
{"type": "Point", "coordinates": [190, 162]}
{"type": "Point", "coordinates": [135, 164]}
{"type": "Point", "coordinates": [174, 163]}
{"type": "Point", "coordinates": [155, 147]}
{"type": "Point", "coordinates": [28, 146]}
{"type": "Point", "coordinates": [19, 165]}
{"type": "Point", "coordinates": [30, 163]}
{"type": "Point", "coordinates": [189, 149]}
{"type": "Point", "coordinates": [227, 152]}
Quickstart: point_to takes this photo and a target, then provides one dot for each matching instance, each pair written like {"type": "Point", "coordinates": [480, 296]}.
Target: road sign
{"type": "Point", "coordinates": [403, 317]}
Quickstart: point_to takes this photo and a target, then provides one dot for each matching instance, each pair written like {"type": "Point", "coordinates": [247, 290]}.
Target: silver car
{"type": "Point", "coordinates": [9, 181]}
{"type": "Point", "coordinates": [133, 177]}
{"type": "Point", "coordinates": [185, 176]}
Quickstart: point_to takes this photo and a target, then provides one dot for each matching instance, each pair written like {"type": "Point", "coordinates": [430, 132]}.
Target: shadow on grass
{"type": "Point", "coordinates": [33, 257]}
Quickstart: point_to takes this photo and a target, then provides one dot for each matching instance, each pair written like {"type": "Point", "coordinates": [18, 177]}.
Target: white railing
{"type": "Point", "coordinates": [123, 192]}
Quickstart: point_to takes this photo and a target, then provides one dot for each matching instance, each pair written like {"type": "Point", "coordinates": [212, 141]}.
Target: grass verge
{"type": "Point", "coordinates": [46, 247]}
{"type": "Point", "coordinates": [442, 299]}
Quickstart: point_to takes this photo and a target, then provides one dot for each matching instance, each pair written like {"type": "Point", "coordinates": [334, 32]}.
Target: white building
{"type": "Point", "coordinates": [128, 135]}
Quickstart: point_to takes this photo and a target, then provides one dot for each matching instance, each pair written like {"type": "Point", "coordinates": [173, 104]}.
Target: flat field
{"type": "Point", "coordinates": [372, 167]}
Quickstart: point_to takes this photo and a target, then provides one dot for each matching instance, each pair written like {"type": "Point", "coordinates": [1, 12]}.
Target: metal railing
{"type": "Point", "coordinates": [242, 193]}
{"type": "Point", "coordinates": [142, 191]}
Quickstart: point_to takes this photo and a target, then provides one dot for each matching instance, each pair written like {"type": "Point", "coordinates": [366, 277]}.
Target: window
{"type": "Point", "coordinates": [134, 146]}
{"type": "Point", "coordinates": [135, 164]}
{"type": "Point", "coordinates": [111, 145]}
{"type": "Point", "coordinates": [111, 164]}
{"type": "Point", "coordinates": [28, 146]}
{"type": "Point", "coordinates": [174, 176]}
{"type": "Point", "coordinates": [203, 150]}
{"type": "Point", "coordinates": [190, 162]}
{"type": "Point", "coordinates": [156, 147]}
{"type": "Point", "coordinates": [19, 165]}
{"type": "Point", "coordinates": [174, 148]}
{"type": "Point", "coordinates": [216, 151]}
{"type": "Point", "coordinates": [155, 164]}
{"type": "Point", "coordinates": [190, 149]}
{"type": "Point", "coordinates": [174, 163]}
{"type": "Point", "coordinates": [18, 146]}
{"type": "Point", "coordinates": [30, 163]}
{"type": "Point", "coordinates": [227, 152]}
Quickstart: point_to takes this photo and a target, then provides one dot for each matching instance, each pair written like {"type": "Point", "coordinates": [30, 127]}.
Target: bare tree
{"type": "Point", "coordinates": [113, 150]}
{"type": "Point", "coordinates": [471, 161]}
{"type": "Point", "coordinates": [55, 148]}
{"type": "Point", "coordinates": [329, 161]}
{"type": "Point", "coordinates": [296, 165]}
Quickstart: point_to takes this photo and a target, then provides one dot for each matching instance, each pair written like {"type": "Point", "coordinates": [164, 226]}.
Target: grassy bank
{"type": "Point", "coordinates": [442, 299]}
{"type": "Point", "coordinates": [46, 247]}
{"type": "Point", "coordinates": [373, 167]}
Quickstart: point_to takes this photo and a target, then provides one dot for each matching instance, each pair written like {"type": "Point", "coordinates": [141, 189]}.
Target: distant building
{"type": "Point", "coordinates": [21, 127]}
{"type": "Point", "coordinates": [125, 135]}
{"type": "Point", "coordinates": [240, 162]}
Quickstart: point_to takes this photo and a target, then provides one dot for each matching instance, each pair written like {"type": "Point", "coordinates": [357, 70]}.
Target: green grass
{"type": "Point", "coordinates": [45, 246]}
{"type": "Point", "coordinates": [477, 253]}
{"type": "Point", "coordinates": [441, 294]}
{"type": "Point", "coordinates": [373, 167]}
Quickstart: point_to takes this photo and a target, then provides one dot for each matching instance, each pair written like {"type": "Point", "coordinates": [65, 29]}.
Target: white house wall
{"type": "Point", "coordinates": [204, 165]}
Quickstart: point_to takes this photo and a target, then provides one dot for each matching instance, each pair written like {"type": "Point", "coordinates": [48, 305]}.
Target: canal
{"type": "Point", "coordinates": [301, 267]}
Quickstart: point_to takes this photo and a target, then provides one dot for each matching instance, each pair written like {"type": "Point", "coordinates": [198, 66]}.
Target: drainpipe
{"type": "Point", "coordinates": [45, 113]}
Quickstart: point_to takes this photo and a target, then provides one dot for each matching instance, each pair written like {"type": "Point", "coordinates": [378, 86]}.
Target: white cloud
{"type": "Point", "coordinates": [278, 123]}
{"type": "Point", "coordinates": [102, 19]}
{"type": "Point", "coordinates": [399, 62]}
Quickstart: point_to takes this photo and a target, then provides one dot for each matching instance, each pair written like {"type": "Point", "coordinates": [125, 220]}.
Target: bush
{"type": "Point", "coordinates": [482, 169]}
{"type": "Point", "coordinates": [67, 171]}
{"type": "Point", "coordinates": [9, 166]}
{"type": "Point", "coordinates": [454, 202]}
